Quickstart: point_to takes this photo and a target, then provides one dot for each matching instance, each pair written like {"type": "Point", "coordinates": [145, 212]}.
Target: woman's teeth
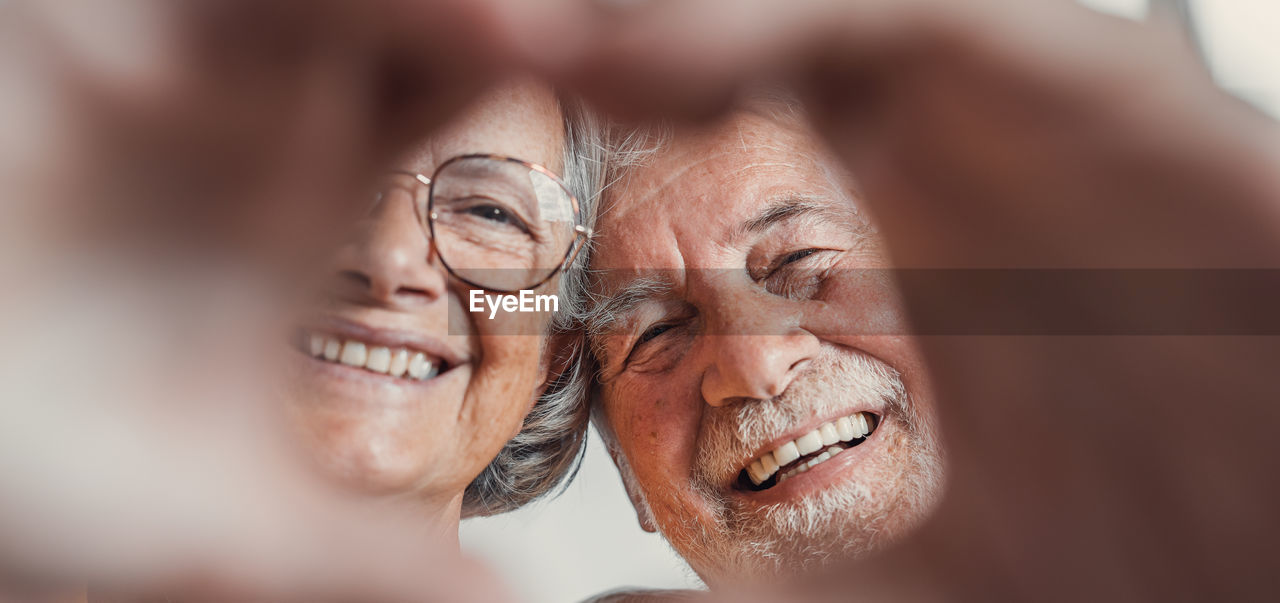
{"type": "Point", "coordinates": [835, 437]}
{"type": "Point", "coordinates": [398, 362]}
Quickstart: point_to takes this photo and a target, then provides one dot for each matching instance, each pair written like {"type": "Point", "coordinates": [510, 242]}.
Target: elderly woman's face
{"type": "Point", "coordinates": [390, 304]}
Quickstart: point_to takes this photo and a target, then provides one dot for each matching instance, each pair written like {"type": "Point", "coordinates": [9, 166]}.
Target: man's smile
{"type": "Point", "coordinates": [815, 447]}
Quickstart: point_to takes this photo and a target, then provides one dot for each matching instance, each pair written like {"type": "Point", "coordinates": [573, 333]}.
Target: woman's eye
{"type": "Point", "coordinates": [499, 215]}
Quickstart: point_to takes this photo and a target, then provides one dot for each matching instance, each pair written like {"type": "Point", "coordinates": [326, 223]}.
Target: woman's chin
{"type": "Point", "coordinates": [377, 449]}
{"type": "Point", "coordinates": [383, 465]}
{"type": "Point", "coordinates": [381, 436]}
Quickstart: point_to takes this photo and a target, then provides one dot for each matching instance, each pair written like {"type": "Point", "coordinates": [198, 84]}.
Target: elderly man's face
{"type": "Point", "coordinates": [747, 336]}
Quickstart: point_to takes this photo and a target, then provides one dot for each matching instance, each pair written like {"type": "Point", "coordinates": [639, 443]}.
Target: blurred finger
{"type": "Point", "coordinates": [691, 58]}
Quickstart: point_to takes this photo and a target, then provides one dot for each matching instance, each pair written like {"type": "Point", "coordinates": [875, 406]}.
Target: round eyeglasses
{"type": "Point", "coordinates": [498, 223]}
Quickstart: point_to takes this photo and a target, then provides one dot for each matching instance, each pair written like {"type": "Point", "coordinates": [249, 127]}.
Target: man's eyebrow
{"type": "Point", "coordinates": [608, 311]}
{"type": "Point", "coordinates": [787, 209]}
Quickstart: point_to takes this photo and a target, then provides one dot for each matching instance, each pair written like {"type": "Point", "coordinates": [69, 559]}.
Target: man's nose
{"type": "Point", "coordinates": [755, 367]}
{"type": "Point", "coordinates": [391, 259]}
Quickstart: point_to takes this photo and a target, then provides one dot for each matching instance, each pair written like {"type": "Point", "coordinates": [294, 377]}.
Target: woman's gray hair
{"type": "Point", "coordinates": [549, 447]}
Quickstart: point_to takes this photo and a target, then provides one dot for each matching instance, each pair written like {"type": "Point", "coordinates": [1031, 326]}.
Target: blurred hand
{"type": "Point", "coordinates": [239, 123]}
{"type": "Point", "coordinates": [1017, 122]}
{"type": "Point", "coordinates": [142, 454]}
{"type": "Point", "coordinates": [164, 167]}
{"type": "Point", "coordinates": [1034, 135]}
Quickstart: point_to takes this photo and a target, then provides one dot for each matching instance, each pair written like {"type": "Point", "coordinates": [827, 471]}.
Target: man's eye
{"type": "Point", "coordinates": [793, 277]}
{"type": "Point", "coordinates": [652, 351]}
{"type": "Point", "coordinates": [653, 332]}
{"type": "Point", "coordinates": [797, 256]}
{"type": "Point", "coordinates": [790, 258]}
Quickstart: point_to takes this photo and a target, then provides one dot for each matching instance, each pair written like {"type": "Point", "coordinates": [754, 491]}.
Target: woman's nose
{"type": "Point", "coordinates": [391, 259]}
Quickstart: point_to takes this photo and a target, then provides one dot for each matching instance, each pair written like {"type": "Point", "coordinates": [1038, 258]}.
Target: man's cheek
{"type": "Point", "coordinates": [660, 432]}
{"type": "Point", "coordinates": [859, 302]}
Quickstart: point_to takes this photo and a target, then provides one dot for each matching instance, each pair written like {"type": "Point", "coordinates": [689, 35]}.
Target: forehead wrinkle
{"type": "Point", "coordinates": [771, 141]}
{"type": "Point", "coordinates": [763, 164]}
{"type": "Point", "coordinates": [657, 187]}
{"type": "Point", "coordinates": [685, 166]}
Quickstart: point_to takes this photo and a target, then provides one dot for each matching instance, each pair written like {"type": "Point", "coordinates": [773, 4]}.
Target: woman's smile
{"type": "Point", "coordinates": [402, 355]}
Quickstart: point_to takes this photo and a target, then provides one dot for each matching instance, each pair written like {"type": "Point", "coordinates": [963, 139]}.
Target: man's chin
{"type": "Point", "coordinates": [797, 536]}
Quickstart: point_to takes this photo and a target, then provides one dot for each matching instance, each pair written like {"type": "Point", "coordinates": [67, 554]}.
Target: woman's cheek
{"type": "Point", "coordinates": [509, 369]}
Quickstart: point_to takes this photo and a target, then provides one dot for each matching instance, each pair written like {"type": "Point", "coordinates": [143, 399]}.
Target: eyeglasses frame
{"type": "Point", "coordinates": [582, 233]}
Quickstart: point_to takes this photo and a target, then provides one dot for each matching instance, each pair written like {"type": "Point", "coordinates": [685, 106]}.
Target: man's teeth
{"type": "Point", "coordinates": [829, 435]}
{"type": "Point", "coordinates": [783, 455]}
{"type": "Point", "coordinates": [398, 362]}
{"type": "Point", "coordinates": [805, 466]}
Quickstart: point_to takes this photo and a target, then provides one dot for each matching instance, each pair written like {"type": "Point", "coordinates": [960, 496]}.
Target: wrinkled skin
{"type": "Point", "coordinates": [762, 334]}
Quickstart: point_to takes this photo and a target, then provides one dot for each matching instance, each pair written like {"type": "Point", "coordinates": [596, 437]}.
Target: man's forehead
{"type": "Point", "coordinates": [733, 152]}
{"type": "Point", "coordinates": [691, 197]}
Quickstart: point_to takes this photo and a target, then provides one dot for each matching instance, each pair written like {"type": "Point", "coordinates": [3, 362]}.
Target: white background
{"type": "Point", "coordinates": [588, 541]}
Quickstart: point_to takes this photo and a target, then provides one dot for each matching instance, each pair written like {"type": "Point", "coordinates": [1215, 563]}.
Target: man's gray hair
{"type": "Point", "coordinates": [549, 447]}
{"type": "Point", "coordinates": [634, 146]}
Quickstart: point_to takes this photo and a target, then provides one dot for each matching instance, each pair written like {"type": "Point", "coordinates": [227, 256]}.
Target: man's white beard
{"type": "Point", "coordinates": [844, 521]}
